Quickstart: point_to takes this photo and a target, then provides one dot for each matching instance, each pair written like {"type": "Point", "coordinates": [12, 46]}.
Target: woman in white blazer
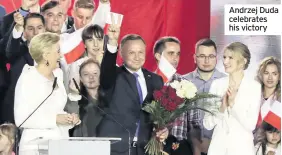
{"type": "Point", "coordinates": [236, 112]}
{"type": "Point", "coordinates": [34, 85]}
{"type": "Point", "coordinates": [269, 76]}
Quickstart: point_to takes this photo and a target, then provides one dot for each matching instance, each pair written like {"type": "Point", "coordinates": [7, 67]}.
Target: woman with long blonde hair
{"type": "Point", "coordinates": [269, 74]}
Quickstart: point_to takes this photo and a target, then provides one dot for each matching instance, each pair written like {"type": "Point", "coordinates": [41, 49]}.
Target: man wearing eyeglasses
{"type": "Point", "coordinates": [205, 59]}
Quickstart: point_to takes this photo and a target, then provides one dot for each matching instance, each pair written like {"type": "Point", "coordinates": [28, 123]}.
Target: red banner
{"type": "Point", "coordinates": [188, 20]}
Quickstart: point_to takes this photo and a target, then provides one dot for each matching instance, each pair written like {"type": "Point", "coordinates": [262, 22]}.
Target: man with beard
{"type": "Point", "coordinates": [202, 77]}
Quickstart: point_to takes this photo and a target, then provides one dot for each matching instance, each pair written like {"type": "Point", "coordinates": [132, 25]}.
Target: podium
{"type": "Point", "coordinates": [76, 146]}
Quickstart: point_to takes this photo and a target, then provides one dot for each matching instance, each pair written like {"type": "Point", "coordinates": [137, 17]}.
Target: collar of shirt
{"type": "Point", "coordinates": [141, 80]}
{"type": "Point", "coordinates": [215, 74]}
{"type": "Point", "coordinates": [139, 72]}
{"type": "Point", "coordinates": [64, 27]}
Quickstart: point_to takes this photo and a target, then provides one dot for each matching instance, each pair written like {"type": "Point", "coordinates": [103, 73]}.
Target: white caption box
{"type": "Point", "coordinates": [252, 19]}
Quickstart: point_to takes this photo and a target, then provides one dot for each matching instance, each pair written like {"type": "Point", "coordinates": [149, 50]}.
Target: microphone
{"type": "Point", "coordinates": [110, 116]}
{"type": "Point", "coordinates": [19, 131]}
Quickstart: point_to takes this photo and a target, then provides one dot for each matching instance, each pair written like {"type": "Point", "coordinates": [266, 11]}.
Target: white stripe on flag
{"type": "Point", "coordinates": [276, 108]}
{"type": "Point", "coordinates": [166, 68]}
{"type": "Point", "coordinates": [70, 41]}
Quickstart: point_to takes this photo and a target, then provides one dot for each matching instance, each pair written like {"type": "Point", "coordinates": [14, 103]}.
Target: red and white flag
{"type": "Point", "coordinates": [274, 115]}
{"type": "Point", "coordinates": [72, 46]}
{"type": "Point", "coordinates": [165, 69]}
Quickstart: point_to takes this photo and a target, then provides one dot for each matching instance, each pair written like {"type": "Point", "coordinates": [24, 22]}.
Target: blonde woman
{"type": "Point", "coordinates": [7, 138]}
{"type": "Point", "coordinates": [34, 85]}
{"type": "Point", "coordinates": [237, 111]}
{"type": "Point", "coordinates": [268, 75]}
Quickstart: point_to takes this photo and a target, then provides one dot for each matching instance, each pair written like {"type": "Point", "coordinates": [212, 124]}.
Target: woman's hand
{"type": "Point", "coordinates": [76, 120]}
{"type": "Point", "coordinates": [231, 94]}
{"type": "Point", "coordinates": [224, 104]}
{"type": "Point", "coordinates": [64, 119]}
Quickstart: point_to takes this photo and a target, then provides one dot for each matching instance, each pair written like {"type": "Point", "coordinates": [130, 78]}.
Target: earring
{"type": "Point", "coordinates": [47, 63]}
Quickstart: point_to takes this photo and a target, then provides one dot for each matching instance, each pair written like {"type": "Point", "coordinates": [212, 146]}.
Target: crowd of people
{"type": "Point", "coordinates": [54, 90]}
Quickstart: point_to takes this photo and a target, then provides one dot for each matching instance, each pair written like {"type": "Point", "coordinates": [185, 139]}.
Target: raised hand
{"type": "Point", "coordinates": [26, 4]}
{"type": "Point", "coordinates": [19, 20]}
{"type": "Point", "coordinates": [114, 30]}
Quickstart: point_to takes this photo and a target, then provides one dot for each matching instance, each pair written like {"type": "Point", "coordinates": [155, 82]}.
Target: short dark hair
{"type": "Point", "coordinates": [91, 30]}
{"type": "Point", "coordinates": [49, 5]}
{"type": "Point", "coordinates": [159, 46]}
{"type": "Point", "coordinates": [34, 15]}
{"type": "Point", "coordinates": [130, 37]}
{"type": "Point", "coordinates": [205, 42]}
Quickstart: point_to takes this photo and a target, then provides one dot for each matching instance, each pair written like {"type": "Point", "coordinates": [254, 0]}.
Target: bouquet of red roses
{"type": "Point", "coordinates": [168, 104]}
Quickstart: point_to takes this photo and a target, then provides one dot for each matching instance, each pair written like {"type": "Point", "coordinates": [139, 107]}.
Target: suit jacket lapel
{"type": "Point", "coordinates": [130, 79]}
{"type": "Point", "coordinates": [148, 78]}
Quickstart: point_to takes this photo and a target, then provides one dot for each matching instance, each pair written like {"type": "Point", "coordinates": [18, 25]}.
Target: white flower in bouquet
{"type": "Point", "coordinates": [180, 93]}
{"type": "Point", "coordinates": [175, 84]}
{"type": "Point", "coordinates": [187, 89]}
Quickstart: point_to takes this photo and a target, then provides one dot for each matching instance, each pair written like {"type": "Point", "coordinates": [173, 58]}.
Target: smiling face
{"type": "Point", "coordinates": [233, 61]}
{"type": "Point", "coordinates": [133, 53]}
{"type": "Point", "coordinates": [94, 46]}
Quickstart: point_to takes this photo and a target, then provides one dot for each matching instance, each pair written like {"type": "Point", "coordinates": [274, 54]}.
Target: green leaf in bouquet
{"type": "Point", "coordinates": [181, 105]}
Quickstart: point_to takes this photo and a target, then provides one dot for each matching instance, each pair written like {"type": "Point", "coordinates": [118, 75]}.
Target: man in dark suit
{"type": "Point", "coordinates": [18, 55]}
{"type": "Point", "coordinates": [127, 89]}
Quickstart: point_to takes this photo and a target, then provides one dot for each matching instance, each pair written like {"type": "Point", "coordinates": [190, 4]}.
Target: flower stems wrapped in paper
{"type": "Point", "coordinates": [168, 104]}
